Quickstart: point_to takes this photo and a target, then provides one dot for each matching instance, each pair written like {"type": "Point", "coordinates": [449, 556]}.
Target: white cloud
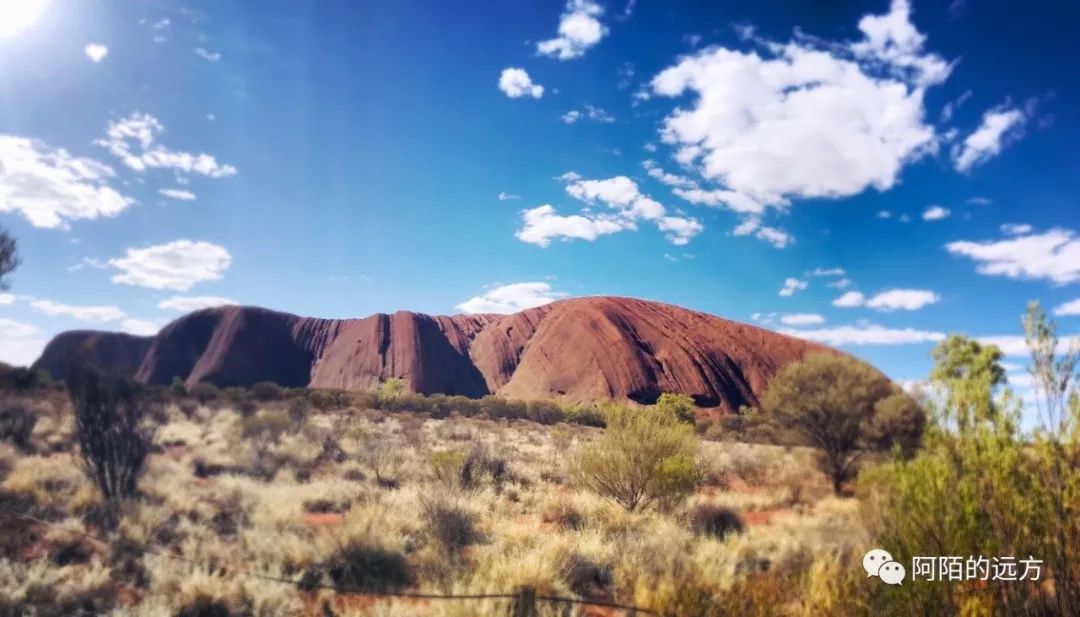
{"type": "Point", "coordinates": [1069, 308]}
{"type": "Point", "coordinates": [998, 126]}
{"type": "Point", "coordinates": [669, 179]}
{"type": "Point", "coordinates": [20, 344]}
{"type": "Point", "coordinates": [1016, 347]}
{"type": "Point", "coordinates": [884, 214]}
{"type": "Point", "coordinates": [620, 194]}
{"type": "Point", "coordinates": [842, 283]}
{"type": "Point", "coordinates": [1053, 255]}
{"type": "Point", "coordinates": [206, 54]}
{"type": "Point", "coordinates": [96, 52]}
{"type": "Point", "coordinates": [579, 29]}
{"type": "Point", "coordinates": [596, 114]}
{"type": "Point", "coordinates": [802, 319]}
{"type": "Point", "coordinates": [504, 196]}
{"type": "Point", "coordinates": [867, 334]}
{"type": "Point", "coordinates": [850, 299]}
{"type": "Point", "coordinates": [516, 83]}
{"type": "Point", "coordinates": [935, 213]}
{"type": "Point", "coordinates": [177, 194]}
{"type": "Point", "coordinates": [81, 313]}
{"type": "Point", "coordinates": [132, 140]}
{"type": "Point", "coordinates": [6, 299]}
{"type": "Point", "coordinates": [774, 236]}
{"type": "Point", "coordinates": [51, 187]}
{"type": "Point", "coordinates": [826, 272]}
{"type": "Point", "coordinates": [806, 119]}
{"type": "Point", "coordinates": [140, 327]}
{"type": "Point", "coordinates": [902, 299]}
{"type": "Point", "coordinates": [542, 224]}
{"type": "Point", "coordinates": [88, 262]}
{"type": "Point", "coordinates": [511, 298]}
{"type": "Point", "coordinates": [177, 265]}
{"type": "Point", "coordinates": [791, 285]}
{"type": "Point", "coordinates": [186, 304]}
{"type": "Point", "coordinates": [1014, 229]}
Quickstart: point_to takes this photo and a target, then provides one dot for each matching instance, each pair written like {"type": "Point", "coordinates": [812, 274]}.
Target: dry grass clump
{"type": "Point", "coordinates": [396, 501]}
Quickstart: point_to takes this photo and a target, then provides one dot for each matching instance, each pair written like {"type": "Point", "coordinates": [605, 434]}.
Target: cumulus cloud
{"type": "Point", "coordinates": [96, 52]}
{"type": "Point", "coordinates": [867, 334]}
{"type": "Point", "coordinates": [504, 196]}
{"type": "Point", "coordinates": [626, 204]}
{"type": "Point", "coordinates": [177, 265]}
{"type": "Point", "coordinates": [902, 299]}
{"type": "Point", "coordinates": [20, 343]}
{"type": "Point", "coordinates": [1069, 308]}
{"type": "Point", "coordinates": [134, 141]}
{"type": "Point", "coordinates": [543, 224]}
{"type": "Point", "coordinates": [802, 319]}
{"type": "Point", "coordinates": [791, 285]}
{"type": "Point", "coordinates": [81, 313]}
{"type": "Point", "coordinates": [850, 299]}
{"type": "Point", "coordinates": [935, 213]}
{"type": "Point", "coordinates": [998, 126]}
{"type": "Point", "coordinates": [51, 187]}
{"type": "Point", "coordinates": [826, 272]}
{"type": "Point", "coordinates": [1053, 255]}
{"type": "Point", "coordinates": [6, 299]}
{"type": "Point", "coordinates": [805, 119]}
{"type": "Point", "coordinates": [579, 29]}
{"type": "Point", "coordinates": [186, 304]}
{"type": "Point", "coordinates": [511, 298]}
{"type": "Point", "coordinates": [177, 194]}
{"type": "Point", "coordinates": [516, 83]}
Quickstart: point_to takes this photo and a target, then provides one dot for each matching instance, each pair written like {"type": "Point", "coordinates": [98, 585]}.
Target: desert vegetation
{"type": "Point", "coordinates": [201, 501]}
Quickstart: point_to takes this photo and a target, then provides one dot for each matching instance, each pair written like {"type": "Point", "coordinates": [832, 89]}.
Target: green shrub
{"type": "Point", "coordinates": [204, 392]}
{"type": "Point", "coordinates": [678, 405]}
{"type": "Point", "coordinates": [645, 457]}
{"type": "Point", "coordinates": [585, 416]}
{"type": "Point", "coordinates": [830, 402]}
{"type": "Point", "coordinates": [267, 391]}
{"type": "Point", "coordinates": [497, 407]}
{"type": "Point", "coordinates": [446, 466]}
{"type": "Point", "coordinates": [177, 389]}
{"type": "Point", "coordinates": [713, 520]}
{"type": "Point", "coordinates": [544, 412]}
{"type": "Point", "coordinates": [267, 426]}
{"type": "Point", "coordinates": [452, 526]}
{"type": "Point", "coordinates": [17, 421]}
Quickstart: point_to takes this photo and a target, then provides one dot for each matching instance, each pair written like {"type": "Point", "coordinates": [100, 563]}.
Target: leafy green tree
{"type": "Point", "coordinates": [831, 402]}
{"type": "Point", "coordinates": [969, 372]}
{"type": "Point", "coordinates": [980, 486]}
{"type": "Point", "coordinates": [645, 457]}
{"type": "Point", "coordinates": [678, 405]}
{"type": "Point", "coordinates": [9, 258]}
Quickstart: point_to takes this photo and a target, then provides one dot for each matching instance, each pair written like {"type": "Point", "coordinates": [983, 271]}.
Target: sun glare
{"type": "Point", "coordinates": [18, 15]}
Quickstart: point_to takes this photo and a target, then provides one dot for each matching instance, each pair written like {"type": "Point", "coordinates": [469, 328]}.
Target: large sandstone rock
{"type": "Point", "coordinates": [578, 350]}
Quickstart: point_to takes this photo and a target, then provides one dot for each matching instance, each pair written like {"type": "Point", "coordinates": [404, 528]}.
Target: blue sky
{"type": "Point", "coordinates": [337, 159]}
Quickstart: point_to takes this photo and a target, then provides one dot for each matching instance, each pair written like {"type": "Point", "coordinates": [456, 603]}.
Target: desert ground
{"type": "Point", "coordinates": [237, 495]}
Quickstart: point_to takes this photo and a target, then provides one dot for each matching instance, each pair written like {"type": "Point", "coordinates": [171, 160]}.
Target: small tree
{"type": "Point", "coordinates": [9, 258]}
{"type": "Point", "coordinates": [830, 402]}
{"type": "Point", "coordinates": [678, 405]}
{"type": "Point", "coordinates": [114, 440]}
{"type": "Point", "coordinates": [645, 457]}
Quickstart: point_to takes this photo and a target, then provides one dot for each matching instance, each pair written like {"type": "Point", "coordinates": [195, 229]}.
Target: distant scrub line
{"type": "Point", "coordinates": [392, 395]}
